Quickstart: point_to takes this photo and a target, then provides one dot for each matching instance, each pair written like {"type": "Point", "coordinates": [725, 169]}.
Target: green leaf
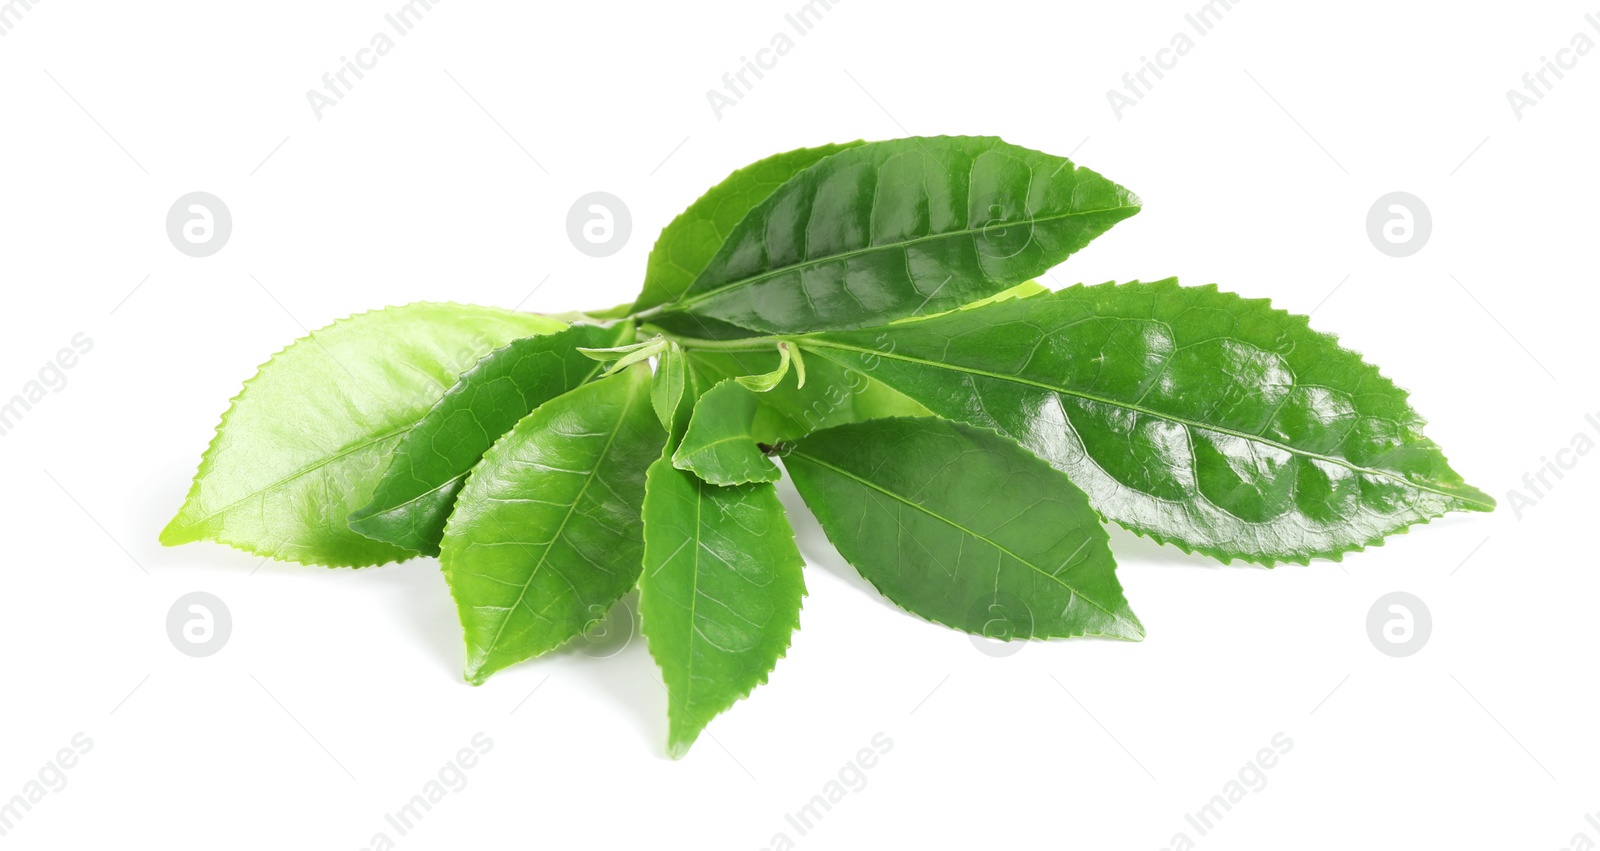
{"type": "Point", "coordinates": [964, 528]}
{"type": "Point", "coordinates": [720, 595]}
{"type": "Point", "coordinates": [545, 536]}
{"type": "Point", "coordinates": [308, 438]}
{"type": "Point", "coordinates": [833, 394]}
{"type": "Point", "coordinates": [893, 229]}
{"type": "Point", "coordinates": [1194, 416]}
{"type": "Point", "coordinates": [689, 241]}
{"type": "Point", "coordinates": [719, 447]}
{"type": "Point", "coordinates": [671, 382]}
{"type": "Point", "coordinates": [414, 498]}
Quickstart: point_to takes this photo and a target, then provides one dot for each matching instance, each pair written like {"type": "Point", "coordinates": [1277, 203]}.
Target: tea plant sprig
{"type": "Point", "coordinates": [865, 313]}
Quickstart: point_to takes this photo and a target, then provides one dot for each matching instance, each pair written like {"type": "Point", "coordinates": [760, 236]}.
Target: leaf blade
{"type": "Point", "coordinates": [1028, 548]}
{"type": "Point", "coordinates": [691, 239]}
{"type": "Point", "coordinates": [545, 536]}
{"type": "Point", "coordinates": [283, 486]}
{"type": "Point", "coordinates": [720, 594]}
{"type": "Point", "coordinates": [893, 229]}
{"type": "Point", "coordinates": [719, 446]}
{"type": "Point", "coordinates": [1113, 383]}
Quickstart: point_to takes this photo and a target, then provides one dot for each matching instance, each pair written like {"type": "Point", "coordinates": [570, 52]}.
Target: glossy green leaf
{"type": "Point", "coordinates": [545, 535]}
{"type": "Point", "coordinates": [1194, 416]}
{"type": "Point", "coordinates": [720, 594]}
{"type": "Point", "coordinates": [689, 241]}
{"type": "Point", "coordinates": [833, 394]}
{"type": "Point", "coordinates": [893, 229]}
{"type": "Point", "coordinates": [414, 498]}
{"type": "Point", "coordinates": [308, 438]}
{"type": "Point", "coordinates": [719, 446]}
{"type": "Point", "coordinates": [963, 527]}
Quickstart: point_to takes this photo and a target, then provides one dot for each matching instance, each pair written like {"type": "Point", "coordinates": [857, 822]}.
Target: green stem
{"type": "Point", "coordinates": [744, 344]}
{"type": "Point", "coordinates": [647, 312]}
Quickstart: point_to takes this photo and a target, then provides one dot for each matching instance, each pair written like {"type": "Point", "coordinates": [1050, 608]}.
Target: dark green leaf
{"type": "Point", "coordinates": [964, 528]}
{"type": "Point", "coordinates": [689, 241]}
{"type": "Point", "coordinates": [720, 594]}
{"type": "Point", "coordinates": [719, 447]}
{"type": "Point", "coordinates": [545, 536]}
{"type": "Point", "coordinates": [1191, 415]}
{"type": "Point", "coordinates": [308, 438]}
{"type": "Point", "coordinates": [414, 498]}
{"type": "Point", "coordinates": [893, 229]}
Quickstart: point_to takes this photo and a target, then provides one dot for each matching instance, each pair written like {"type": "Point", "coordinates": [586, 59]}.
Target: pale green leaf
{"type": "Point", "coordinates": [308, 438]}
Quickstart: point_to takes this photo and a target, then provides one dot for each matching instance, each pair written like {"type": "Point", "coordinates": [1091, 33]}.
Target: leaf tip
{"type": "Point", "coordinates": [1129, 628]}
{"type": "Point", "coordinates": [179, 530]}
{"type": "Point", "coordinates": [678, 746]}
{"type": "Point", "coordinates": [1473, 499]}
{"type": "Point", "coordinates": [477, 670]}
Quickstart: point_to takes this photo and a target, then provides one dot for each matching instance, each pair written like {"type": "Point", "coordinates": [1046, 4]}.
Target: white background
{"type": "Point", "coordinates": [447, 173]}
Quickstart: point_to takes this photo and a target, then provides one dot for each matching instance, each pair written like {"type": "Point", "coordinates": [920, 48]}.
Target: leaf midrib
{"type": "Point", "coordinates": [940, 517]}
{"type": "Point", "coordinates": [304, 471]}
{"type": "Point", "coordinates": [1187, 423]}
{"type": "Point", "coordinates": [684, 304]}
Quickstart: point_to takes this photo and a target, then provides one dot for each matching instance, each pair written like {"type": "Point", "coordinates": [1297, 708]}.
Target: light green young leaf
{"type": "Point", "coordinates": [414, 498]}
{"type": "Point", "coordinates": [799, 364]}
{"type": "Point", "coordinates": [671, 382]}
{"type": "Point", "coordinates": [720, 594]}
{"type": "Point", "coordinates": [768, 380]}
{"type": "Point", "coordinates": [719, 447]}
{"type": "Point", "coordinates": [308, 438]}
{"type": "Point", "coordinates": [545, 535]}
{"type": "Point", "coordinates": [964, 528]}
{"type": "Point", "coordinates": [1194, 416]}
{"type": "Point", "coordinates": [892, 229]}
{"type": "Point", "coordinates": [620, 358]}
